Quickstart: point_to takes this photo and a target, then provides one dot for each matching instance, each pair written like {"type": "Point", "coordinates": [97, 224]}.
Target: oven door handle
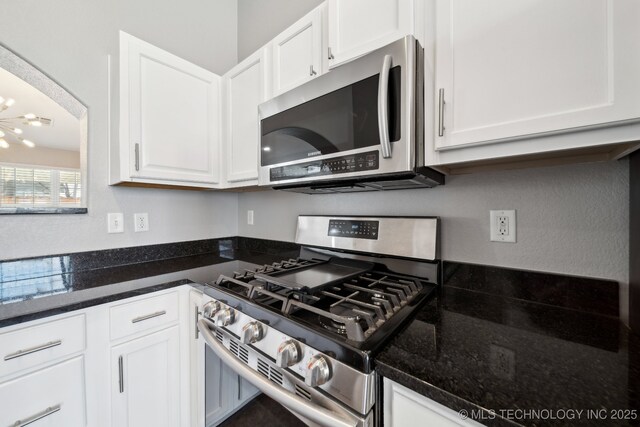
{"type": "Point", "coordinates": [306, 409]}
{"type": "Point", "coordinates": [383, 107]}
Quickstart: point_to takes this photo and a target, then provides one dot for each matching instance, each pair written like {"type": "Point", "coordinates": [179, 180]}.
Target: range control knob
{"type": "Point", "coordinates": [225, 317]}
{"type": "Point", "coordinates": [288, 354]}
{"type": "Point", "coordinates": [252, 332]}
{"type": "Point", "coordinates": [318, 371]}
{"type": "Point", "coordinates": [210, 309]}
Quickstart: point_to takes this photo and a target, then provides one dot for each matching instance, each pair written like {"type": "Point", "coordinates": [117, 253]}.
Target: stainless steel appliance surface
{"type": "Point", "coordinates": [305, 331]}
{"type": "Point", "coordinates": [358, 127]}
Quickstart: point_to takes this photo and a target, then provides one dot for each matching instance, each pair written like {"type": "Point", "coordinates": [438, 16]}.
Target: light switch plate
{"type": "Point", "coordinates": [503, 226]}
{"type": "Point", "coordinates": [115, 223]}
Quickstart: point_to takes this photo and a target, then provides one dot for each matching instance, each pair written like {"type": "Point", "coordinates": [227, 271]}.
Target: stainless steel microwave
{"type": "Point", "coordinates": [358, 127]}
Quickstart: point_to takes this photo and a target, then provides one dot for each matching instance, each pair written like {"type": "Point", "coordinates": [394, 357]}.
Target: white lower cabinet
{"type": "Point", "coordinates": [405, 408]}
{"type": "Point", "coordinates": [146, 380]}
{"type": "Point", "coordinates": [51, 397]}
{"type": "Point", "coordinates": [133, 362]}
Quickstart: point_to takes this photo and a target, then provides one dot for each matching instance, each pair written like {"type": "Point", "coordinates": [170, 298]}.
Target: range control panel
{"type": "Point", "coordinates": [337, 165]}
{"type": "Point", "coordinates": [353, 228]}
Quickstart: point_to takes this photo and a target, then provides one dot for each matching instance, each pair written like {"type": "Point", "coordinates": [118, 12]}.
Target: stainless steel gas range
{"type": "Point", "coordinates": [305, 331]}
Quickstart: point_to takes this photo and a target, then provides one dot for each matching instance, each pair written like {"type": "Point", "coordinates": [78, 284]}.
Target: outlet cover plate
{"type": "Point", "coordinates": [503, 226]}
{"type": "Point", "coordinates": [502, 362]}
{"type": "Point", "coordinates": [140, 222]}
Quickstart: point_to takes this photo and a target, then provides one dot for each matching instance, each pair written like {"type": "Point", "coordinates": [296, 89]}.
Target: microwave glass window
{"type": "Point", "coordinates": [343, 120]}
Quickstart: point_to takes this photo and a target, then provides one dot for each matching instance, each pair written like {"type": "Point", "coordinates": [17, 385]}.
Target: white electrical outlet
{"type": "Point", "coordinates": [250, 217]}
{"type": "Point", "coordinates": [115, 223]}
{"type": "Point", "coordinates": [140, 222]}
{"type": "Point", "coordinates": [503, 226]}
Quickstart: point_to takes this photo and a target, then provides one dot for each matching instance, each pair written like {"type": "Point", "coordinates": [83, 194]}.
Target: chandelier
{"type": "Point", "coordinates": [9, 125]}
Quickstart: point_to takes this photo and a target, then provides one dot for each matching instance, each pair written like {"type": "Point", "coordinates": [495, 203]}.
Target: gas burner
{"type": "Point", "coordinates": [332, 325]}
{"type": "Point", "coordinates": [345, 310]}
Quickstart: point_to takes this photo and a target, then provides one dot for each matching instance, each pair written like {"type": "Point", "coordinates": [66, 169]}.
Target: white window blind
{"type": "Point", "coordinates": [24, 186]}
{"type": "Point", "coordinates": [69, 188]}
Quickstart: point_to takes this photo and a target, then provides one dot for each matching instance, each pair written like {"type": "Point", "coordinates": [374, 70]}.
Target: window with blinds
{"type": "Point", "coordinates": [24, 186]}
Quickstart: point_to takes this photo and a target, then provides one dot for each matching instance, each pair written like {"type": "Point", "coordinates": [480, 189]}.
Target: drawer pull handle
{"type": "Point", "coordinates": [149, 316]}
{"type": "Point", "coordinates": [50, 410]}
{"type": "Point", "coordinates": [21, 353]}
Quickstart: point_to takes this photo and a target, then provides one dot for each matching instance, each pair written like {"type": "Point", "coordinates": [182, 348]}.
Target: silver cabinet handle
{"type": "Point", "coordinates": [441, 112]}
{"type": "Point", "coordinates": [32, 419]}
{"type": "Point", "coordinates": [137, 149]}
{"type": "Point", "coordinates": [312, 72]}
{"type": "Point", "coordinates": [148, 316]}
{"type": "Point", "coordinates": [305, 408]}
{"type": "Point", "coordinates": [383, 106]}
{"type": "Point", "coordinates": [239, 387]}
{"type": "Point", "coordinates": [21, 353]}
{"type": "Point", "coordinates": [121, 374]}
{"type": "Point", "coordinates": [196, 312]}
{"type": "Point", "coordinates": [330, 55]}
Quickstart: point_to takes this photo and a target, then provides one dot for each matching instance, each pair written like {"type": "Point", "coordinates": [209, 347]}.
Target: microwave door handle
{"type": "Point", "coordinates": [383, 107]}
{"type": "Point", "coordinates": [309, 410]}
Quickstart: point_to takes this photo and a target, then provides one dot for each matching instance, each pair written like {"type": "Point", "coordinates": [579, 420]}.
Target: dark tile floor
{"type": "Point", "coordinates": [262, 411]}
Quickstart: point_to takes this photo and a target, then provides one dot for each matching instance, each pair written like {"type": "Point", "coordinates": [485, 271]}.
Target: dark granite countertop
{"type": "Point", "coordinates": [38, 287]}
{"type": "Point", "coordinates": [492, 340]}
{"type": "Point", "coordinates": [476, 351]}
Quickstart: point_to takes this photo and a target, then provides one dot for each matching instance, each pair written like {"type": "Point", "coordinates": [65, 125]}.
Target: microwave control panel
{"type": "Point", "coordinates": [360, 162]}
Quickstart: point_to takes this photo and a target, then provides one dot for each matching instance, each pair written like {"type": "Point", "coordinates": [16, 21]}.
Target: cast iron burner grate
{"type": "Point", "coordinates": [354, 308]}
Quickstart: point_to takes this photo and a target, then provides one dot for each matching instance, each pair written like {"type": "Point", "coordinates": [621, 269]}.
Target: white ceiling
{"type": "Point", "coordinates": [65, 132]}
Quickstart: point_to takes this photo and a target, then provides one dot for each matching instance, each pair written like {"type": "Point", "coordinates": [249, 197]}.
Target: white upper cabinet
{"type": "Point", "coordinates": [169, 117]}
{"type": "Point", "coordinates": [360, 26]}
{"type": "Point", "coordinates": [511, 70]}
{"type": "Point", "coordinates": [246, 86]}
{"type": "Point", "coordinates": [298, 52]}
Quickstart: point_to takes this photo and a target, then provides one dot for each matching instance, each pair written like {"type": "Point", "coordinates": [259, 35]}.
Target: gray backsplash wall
{"type": "Point", "coordinates": [69, 40]}
{"type": "Point", "coordinates": [570, 219]}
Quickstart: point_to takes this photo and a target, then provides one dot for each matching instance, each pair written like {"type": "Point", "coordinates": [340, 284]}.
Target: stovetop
{"type": "Point", "coordinates": [352, 309]}
{"type": "Point", "coordinates": [349, 290]}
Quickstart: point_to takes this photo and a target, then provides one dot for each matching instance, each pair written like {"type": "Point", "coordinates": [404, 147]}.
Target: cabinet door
{"type": "Point", "coordinates": [509, 69]}
{"type": "Point", "coordinates": [246, 86]}
{"type": "Point", "coordinates": [169, 115]}
{"type": "Point", "coordinates": [220, 388]}
{"type": "Point", "coordinates": [52, 397]}
{"type": "Point", "coordinates": [246, 391]}
{"type": "Point", "coordinates": [360, 26]}
{"type": "Point", "coordinates": [404, 407]}
{"type": "Point", "coordinates": [297, 53]}
{"type": "Point", "coordinates": [146, 380]}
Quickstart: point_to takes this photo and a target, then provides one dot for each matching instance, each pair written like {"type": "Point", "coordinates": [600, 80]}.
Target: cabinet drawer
{"type": "Point", "coordinates": [149, 313]}
{"type": "Point", "coordinates": [32, 346]}
{"type": "Point", "coordinates": [50, 397]}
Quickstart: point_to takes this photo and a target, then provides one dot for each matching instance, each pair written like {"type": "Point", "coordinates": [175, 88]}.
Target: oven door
{"type": "Point", "coordinates": [315, 410]}
{"type": "Point", "coordinates": [357, 120]}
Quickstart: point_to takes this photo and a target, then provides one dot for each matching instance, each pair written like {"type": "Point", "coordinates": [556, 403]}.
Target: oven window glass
{"type": "Point", "coordinates": [340, 121]}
